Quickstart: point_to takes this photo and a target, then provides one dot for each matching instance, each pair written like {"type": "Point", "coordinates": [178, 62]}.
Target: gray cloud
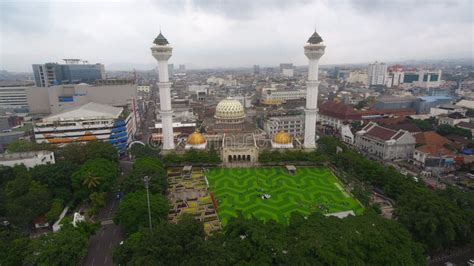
{"type": "Point", "coordinates": [232, 33]}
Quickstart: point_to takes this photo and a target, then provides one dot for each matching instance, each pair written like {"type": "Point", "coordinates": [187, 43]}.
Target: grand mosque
{"type": "Point", "coordinates": [229, 130]}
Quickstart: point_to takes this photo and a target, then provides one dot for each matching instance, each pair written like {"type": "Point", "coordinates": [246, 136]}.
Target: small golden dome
{"type": "Point", "coordinates": [196, 138]}
{"type": "Point", "coordinates": [282, 138]}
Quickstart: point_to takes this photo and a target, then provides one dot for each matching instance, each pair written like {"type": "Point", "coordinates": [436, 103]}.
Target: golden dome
{"type": "Point", "coordinates": [282, 138]}
{"type": "Point", "coordinates": [196, 138]}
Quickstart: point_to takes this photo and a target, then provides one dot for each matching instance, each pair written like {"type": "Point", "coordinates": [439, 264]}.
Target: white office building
{"type": "Point", "coordinates": [29, 159]}
{"type": "Point", "coordinates": [13, 98]}
{"type": "Point", "coordinates": [89, 122]}
{"type": "Point", "coordinates": [377, 73]}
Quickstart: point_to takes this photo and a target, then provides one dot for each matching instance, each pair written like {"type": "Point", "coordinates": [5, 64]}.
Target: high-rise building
{"type": "Point", "coordinates": [162, 51]}
{"type": "Point", "coordinates": [13, 98]}
{"type": "Point", "coordinates": [256, 69]}
{"type": "Point", "coordinates": [182, 69]}
{"type": "Point", "coordinates": [377, 73]}
{"type": "Point", "coordinates": [171, 69]}
{"type": "Point", "coordinates": [287, 69]}
{"type": "Point", "coordinates": [72, 72]}
{"type": "Point", "coordinates": [313, 49]}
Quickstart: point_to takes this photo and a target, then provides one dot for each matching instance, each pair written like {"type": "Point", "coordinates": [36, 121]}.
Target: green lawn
{"type": "Point", "coordinates": [311, 189]}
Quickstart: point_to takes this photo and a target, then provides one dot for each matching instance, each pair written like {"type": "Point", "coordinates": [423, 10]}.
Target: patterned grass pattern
{"type": "Point", "coordinates": [310, 190]}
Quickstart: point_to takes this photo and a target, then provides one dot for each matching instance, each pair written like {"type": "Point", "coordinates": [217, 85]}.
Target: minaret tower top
{"type": "Point", "coordinates": [161, 50]}
{"type": "Point", "coordinates": [314, 47]}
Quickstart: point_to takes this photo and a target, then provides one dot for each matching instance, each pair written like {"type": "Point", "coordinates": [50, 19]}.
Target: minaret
{"type": "Point", "coordinates": [161, 51]}
{"type": "Point", "coordinates": [313, 49]}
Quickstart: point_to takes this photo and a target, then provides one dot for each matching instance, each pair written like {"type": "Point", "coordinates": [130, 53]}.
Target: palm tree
{"type": "Point", "coordinates": [91, 180]}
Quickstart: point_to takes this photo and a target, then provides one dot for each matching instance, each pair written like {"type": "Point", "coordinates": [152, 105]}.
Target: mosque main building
{"type": "Point", "coordinates": [230, 130]}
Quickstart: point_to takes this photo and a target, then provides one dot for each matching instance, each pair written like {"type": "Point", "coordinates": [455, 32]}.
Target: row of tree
{"type": "Point", "coordinates": [133, 210]}
{"type": "Point", "coordinates": [210, 157]}
{"type": "Point", "coordinates": [312, 240]}
{"type": "Point", "coordinates": [81, 174]}
{"type": "Point", "coordinates": [290, 156]}
{"type": "Point", "coordinates": [437, 220]}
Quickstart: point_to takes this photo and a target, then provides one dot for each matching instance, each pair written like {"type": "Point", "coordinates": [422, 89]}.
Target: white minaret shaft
{"type": "Point", "coordinates": [313, 49]}
{"type": "Point", "coordinates": [162, 51]}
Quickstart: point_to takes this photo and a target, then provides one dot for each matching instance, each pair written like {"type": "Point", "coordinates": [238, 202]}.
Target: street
{"type": "Point", "coordinates": [101, 245]}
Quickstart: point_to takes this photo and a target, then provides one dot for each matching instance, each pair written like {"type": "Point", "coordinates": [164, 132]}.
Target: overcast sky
{"type": "Point", "coordinates": [232, 33]}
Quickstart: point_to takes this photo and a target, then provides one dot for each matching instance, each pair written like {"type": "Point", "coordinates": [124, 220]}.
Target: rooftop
{"type": "Point", "coordinates": [87, 111]}
{"type": "Point", "coordinates": [383, 133]}
{"type": "Point", "coordinates": [21, 155]}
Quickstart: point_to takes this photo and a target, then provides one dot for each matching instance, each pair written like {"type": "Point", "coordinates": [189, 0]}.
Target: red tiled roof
{"type": "Point", "coordinates": [431, 138]}
{"type": "Point", "coordinates": [381, 132]}
{"type": "Point", "coordinates": [434, 150]}
{"type": "Point", "coordinates": [339, 110]}
{"type": "Point", "coordinates": [399, 112]}
{"type": "Point", "coordinates": [412, 128]}
{"type": "Point", "coordinates": [466, 125]}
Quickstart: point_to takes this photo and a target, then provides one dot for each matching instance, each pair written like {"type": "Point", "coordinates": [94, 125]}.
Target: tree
{"type": "Point", "coordinates": [25, 199]}
{"type": "Point", "coordinates": [424, 125]}
{"type": "Point", "coordinates": [66, 247]}
{"type": "Point", "coordinates": [96, 175]}
{"type": "Point", "coordinates": [57, 177]}
{"type": "Point", "coordinates": [133, 211]}
{"type": "Point", "coordinates": [168, 244]}
{"type": "Point", "coordinates": [146, 166]}
{"type": "Point", "coordinates": [311, 240]}
{"type": "Point", "coordinates": [78, 153]}
{"type": "Point", "coordinates": [57, 207]}
{"type": "Point", "coordinates": [101, 149]}
{"type": "Point", "coordinates": [139, 151]}
{"type": "Point", "coordinates": [445, 130]}
{"type": "Point", "coordinates": [26, 145]}
{"type": "Point", "coordinates": [13, 246]}
{"type": "Point", "coordinates": [434, 221]}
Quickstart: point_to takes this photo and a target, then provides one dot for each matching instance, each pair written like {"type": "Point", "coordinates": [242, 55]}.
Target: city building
{"type": "Point", "coordinates": [385, 143]}
{"type": "Point", "coordinates": [287, 69]}
{"type": "Point", "coordinates": [431, 151]}
{"type": "Point", "coordinates": [292, 124]}
{"type": "Point", "coordinates": [143, 88]}
{"type": "Point", "coordinates": [73, 71]}
{"type": "Point", "coordinates": [171, 69]}
{"type": "Point", "coordinates": [14, 98]}
{"type": "Point", "coordinates": [182, 70]}
{"type": "Point", "coordinates": [377, 73]}
{"type": "Point", "coordinates": [256, 69]}
{"type": "Point", "coordinates": [313, 49]}
{"type": "Point", "coordinates": [274, 95]}
{"type": "Point", "coordinates": [29, 159]}
{"type": "Point", "coordinates": [452, 119]}
{"type": "Point", "coordinates": [89, 122]}
{"type": "Point", "coordinates": [394, 76]}
{"type": "Point", "coordinates": [55, 99]}
{"type": "Point", "coordinates": [337, 114]}
{"type": "Point", "coordinates": [422, 78]}
{"type": "Point", "coordinates": [161, 51]}
{"type": "Point", "coordinates": [358, 77]}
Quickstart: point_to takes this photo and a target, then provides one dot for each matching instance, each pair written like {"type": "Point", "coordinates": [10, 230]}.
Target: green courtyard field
{"type": "Point", "coordinates": [311, 189]}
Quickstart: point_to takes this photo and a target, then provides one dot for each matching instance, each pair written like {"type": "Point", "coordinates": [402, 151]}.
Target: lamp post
{"type": "Point", "coordinates": [146, 179]}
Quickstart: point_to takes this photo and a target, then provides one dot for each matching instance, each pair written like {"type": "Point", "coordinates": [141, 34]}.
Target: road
{"type": "Point", "coordinates": [101, 245]}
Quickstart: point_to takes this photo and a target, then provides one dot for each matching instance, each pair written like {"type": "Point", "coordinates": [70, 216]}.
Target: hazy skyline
{"type": "Point", "coordinates": [232, 33]}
